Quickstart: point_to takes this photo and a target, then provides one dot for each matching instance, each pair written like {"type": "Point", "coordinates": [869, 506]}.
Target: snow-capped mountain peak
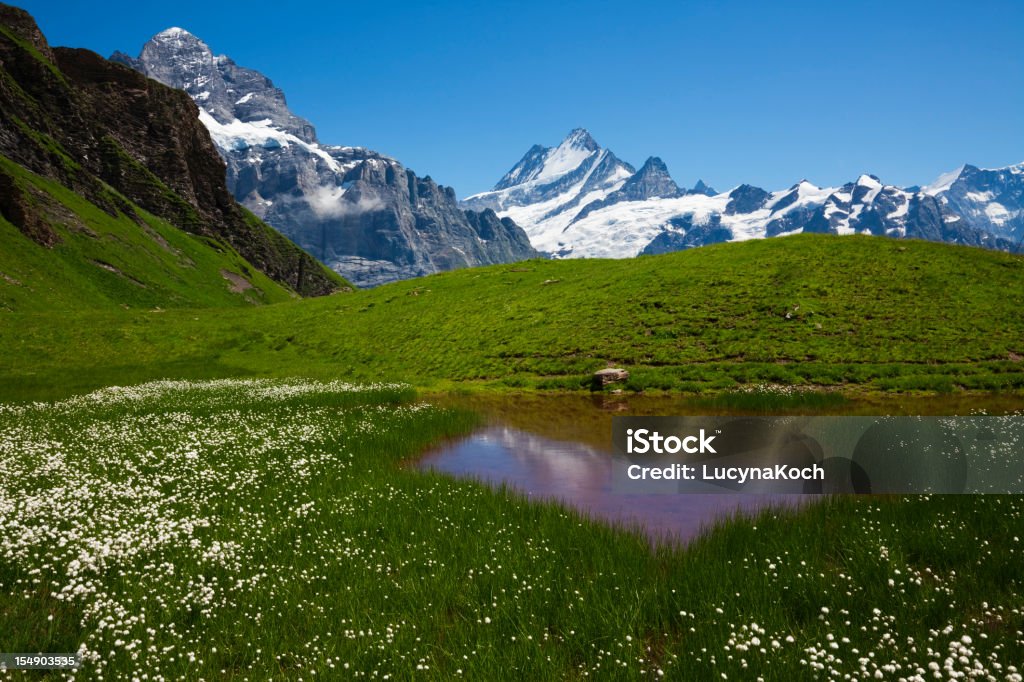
{"type": "Point", "coordinates": [553, 194]}
{"type": "Point", "coordinates": [361, 213]}
{"type": "Point", "coordinates": [580, 138]}
{"type": "Point", "coordinates": [566, 157]}
{"type": "Point", "coordinates": [174, 33]}
{"type": "Point", "coordinates": [866, 188]}
{"type": "Point", "coordinates": [549, 186]}
{"type": "Point", "coordinates": [230, 94]}
{"type": "Point", "coordinates": [545, 164]}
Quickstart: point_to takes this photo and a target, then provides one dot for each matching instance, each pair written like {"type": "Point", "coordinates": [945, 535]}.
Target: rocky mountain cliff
{"type": "Point", "coordinates": [573, 202]}
{"type": "Point", "coordinates": [124, 143]}
{"type": "Point", "coordinates": [361, 213]}
{"type": "Point", "coordinates": [991, 200]}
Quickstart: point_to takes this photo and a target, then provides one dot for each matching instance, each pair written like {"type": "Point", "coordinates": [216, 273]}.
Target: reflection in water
{"type": "Point", "coordinates": [580, 475]}
{"type": "Point", "coordinates": [558, 447]}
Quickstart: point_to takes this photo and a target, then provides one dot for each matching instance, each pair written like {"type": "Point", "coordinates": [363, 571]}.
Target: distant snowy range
{"type": "Point", "coordinates": [578, 200]}
{"type": "Point", "coordinates": [374, 221]}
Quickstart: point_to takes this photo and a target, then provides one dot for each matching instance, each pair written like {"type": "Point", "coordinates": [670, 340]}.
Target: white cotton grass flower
{"type": "Point", "coordinates": [137, 477]}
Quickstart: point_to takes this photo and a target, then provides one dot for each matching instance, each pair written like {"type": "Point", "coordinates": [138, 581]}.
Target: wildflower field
{"type": "Point", "coordinates": [258, 529]}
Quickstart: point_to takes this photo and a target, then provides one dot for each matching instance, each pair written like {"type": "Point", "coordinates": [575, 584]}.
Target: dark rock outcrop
{"type": "Point", "coordinates": [651, 181]}
{"type": "Point", "coordinates": [682, 234]}
{"type": "Point", "coordinates": [746, 199]}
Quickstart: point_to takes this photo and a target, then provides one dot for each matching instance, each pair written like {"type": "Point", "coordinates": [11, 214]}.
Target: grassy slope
{"type": "Point", "coordinates": [878, 313]}
{"type": "Point", "coordinates": [158, 264]}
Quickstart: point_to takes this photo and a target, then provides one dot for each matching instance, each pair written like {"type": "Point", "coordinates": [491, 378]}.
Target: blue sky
{"type": "Point", "coordinates": [731, 92]}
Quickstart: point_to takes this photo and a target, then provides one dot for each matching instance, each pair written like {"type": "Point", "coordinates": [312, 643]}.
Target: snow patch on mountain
{"type": "Point", "coordinates": [625, 228]}
{"type": "Point", "coordinates": [564, 158]}
{"type": "Point", "coordinates": [238, 136]}
{"type": "Point", "coordinates": [943, 182]}
{"type": "Point", "coordinates": [173, 33]}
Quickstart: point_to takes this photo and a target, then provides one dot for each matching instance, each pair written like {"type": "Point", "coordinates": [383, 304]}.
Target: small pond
{"type": "Point", "coordinates": [558, 447]}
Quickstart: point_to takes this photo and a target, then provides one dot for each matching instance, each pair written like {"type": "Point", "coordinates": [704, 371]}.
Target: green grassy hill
{"type": "Point", "coordinates": [863, 312]}
{"type": "Point", "coordinates": [102, 261]}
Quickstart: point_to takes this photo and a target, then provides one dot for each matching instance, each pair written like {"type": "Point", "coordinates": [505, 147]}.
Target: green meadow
{"type": "Point", "coordinates": [204, 476]}
{"type": "Point", "coordinates": [252, 513]}
{"type": "Point", "coordinates": [258, 529]}
{"type": "Point", "coordinates": [848, 314]}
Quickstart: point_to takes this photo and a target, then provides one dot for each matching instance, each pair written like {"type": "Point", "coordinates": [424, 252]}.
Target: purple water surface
{"type": "Point", "coordinates": [579, 475]}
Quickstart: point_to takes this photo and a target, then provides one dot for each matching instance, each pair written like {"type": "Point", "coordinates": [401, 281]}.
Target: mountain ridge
{"type": "Point", "coordinates": [645, 211]}
{"type": "Point", "coordinates": [361, 213]}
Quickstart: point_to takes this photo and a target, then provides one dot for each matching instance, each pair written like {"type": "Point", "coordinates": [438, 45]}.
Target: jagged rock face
{"type": "Point", "coordinates": [87, 123]}
{"type": "Point", "coordinates": [989, 199]}
{"type": "Point", "coordinates": [646, 212]}
{"type": "Point", "coordinates": [651, 181]}
{"type": "Point", "coordinates": [745, 199]}
{"type": "Point", "coordinates": [361, 213]}
{"type": "Point", "coordinates": [389, 224]}
{"type": "Point", "coordinates": [701, 188]}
